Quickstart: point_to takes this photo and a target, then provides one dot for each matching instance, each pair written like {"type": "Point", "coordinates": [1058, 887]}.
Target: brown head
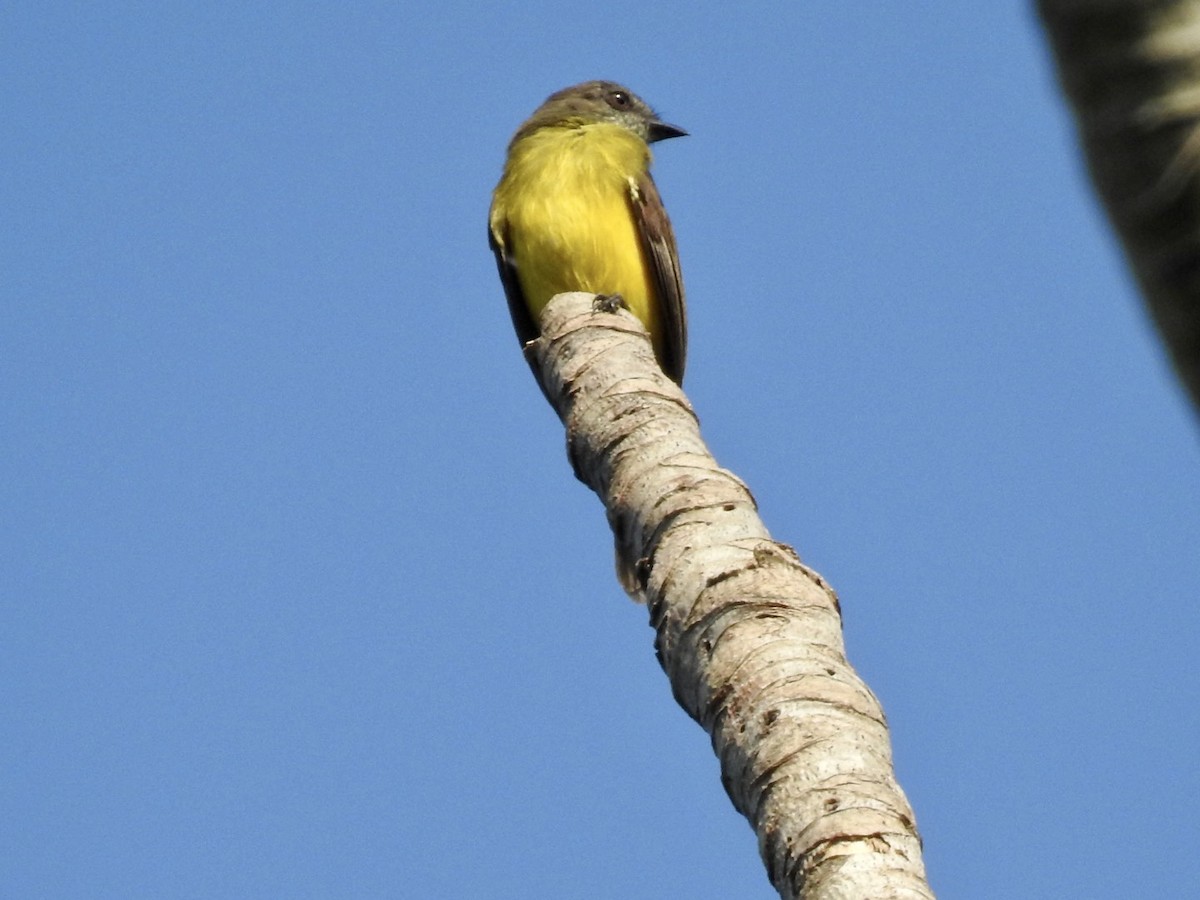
{"type": "Point", "coordinates": [599, 101]}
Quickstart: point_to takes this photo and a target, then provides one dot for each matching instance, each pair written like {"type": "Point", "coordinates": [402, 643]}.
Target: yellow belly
{"type": "Point", "coordinates": [565, 200]}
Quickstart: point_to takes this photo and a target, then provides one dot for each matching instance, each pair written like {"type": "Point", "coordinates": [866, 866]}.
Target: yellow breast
{"type": "Point", "coordinates": [563, 204]}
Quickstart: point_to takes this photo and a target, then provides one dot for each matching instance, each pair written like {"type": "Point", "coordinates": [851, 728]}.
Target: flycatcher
{"type": "Point", "coordinates": [577, 210]}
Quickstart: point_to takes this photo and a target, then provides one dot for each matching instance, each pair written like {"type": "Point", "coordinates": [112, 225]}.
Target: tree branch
{"type": "Point", "coordinates": [1131, 70]}
{"type": "Point", "coordinates": [749, 637]}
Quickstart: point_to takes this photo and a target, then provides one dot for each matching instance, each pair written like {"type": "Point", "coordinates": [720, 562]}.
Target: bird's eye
{"type": "Point", "coordinates": [618, 99]}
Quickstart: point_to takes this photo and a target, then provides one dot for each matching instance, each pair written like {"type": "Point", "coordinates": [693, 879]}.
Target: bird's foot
{"type": "Point", "coordinates": [609, 303]}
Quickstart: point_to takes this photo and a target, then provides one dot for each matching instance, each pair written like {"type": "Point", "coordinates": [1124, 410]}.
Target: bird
{"type": "Point", "coordinates": [576, 210]}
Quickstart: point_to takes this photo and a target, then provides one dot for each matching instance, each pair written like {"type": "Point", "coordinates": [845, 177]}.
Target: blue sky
{"type": "Point", "coordinates": [299, 595]}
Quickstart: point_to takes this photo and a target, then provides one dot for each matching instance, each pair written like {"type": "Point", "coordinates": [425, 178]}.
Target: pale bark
{"type": "Point", "coordinates": [749, 637]}
{"type": "Point", "coordinates": [1131, 70]}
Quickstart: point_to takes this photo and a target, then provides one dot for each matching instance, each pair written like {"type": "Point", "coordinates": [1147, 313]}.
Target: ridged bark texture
{"type": "Point", "coordinates": [750, 638]}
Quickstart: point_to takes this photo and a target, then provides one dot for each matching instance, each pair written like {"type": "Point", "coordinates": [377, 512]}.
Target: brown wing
{"type": "Point", "coordinates": [658, 244]}
{"type": "Point", "coordinates": [523, 323]}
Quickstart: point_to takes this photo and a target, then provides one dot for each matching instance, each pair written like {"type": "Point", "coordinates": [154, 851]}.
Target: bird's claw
{"type": "Point", "coordinates": [609, 303]}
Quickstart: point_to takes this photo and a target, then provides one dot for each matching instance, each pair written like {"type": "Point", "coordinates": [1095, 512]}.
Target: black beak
{"type": "Point", "coordinates": [660, 131]}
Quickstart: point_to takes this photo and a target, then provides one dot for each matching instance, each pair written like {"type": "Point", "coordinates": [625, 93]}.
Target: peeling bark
{"type": "Point", "coordinates": [749, 637]}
